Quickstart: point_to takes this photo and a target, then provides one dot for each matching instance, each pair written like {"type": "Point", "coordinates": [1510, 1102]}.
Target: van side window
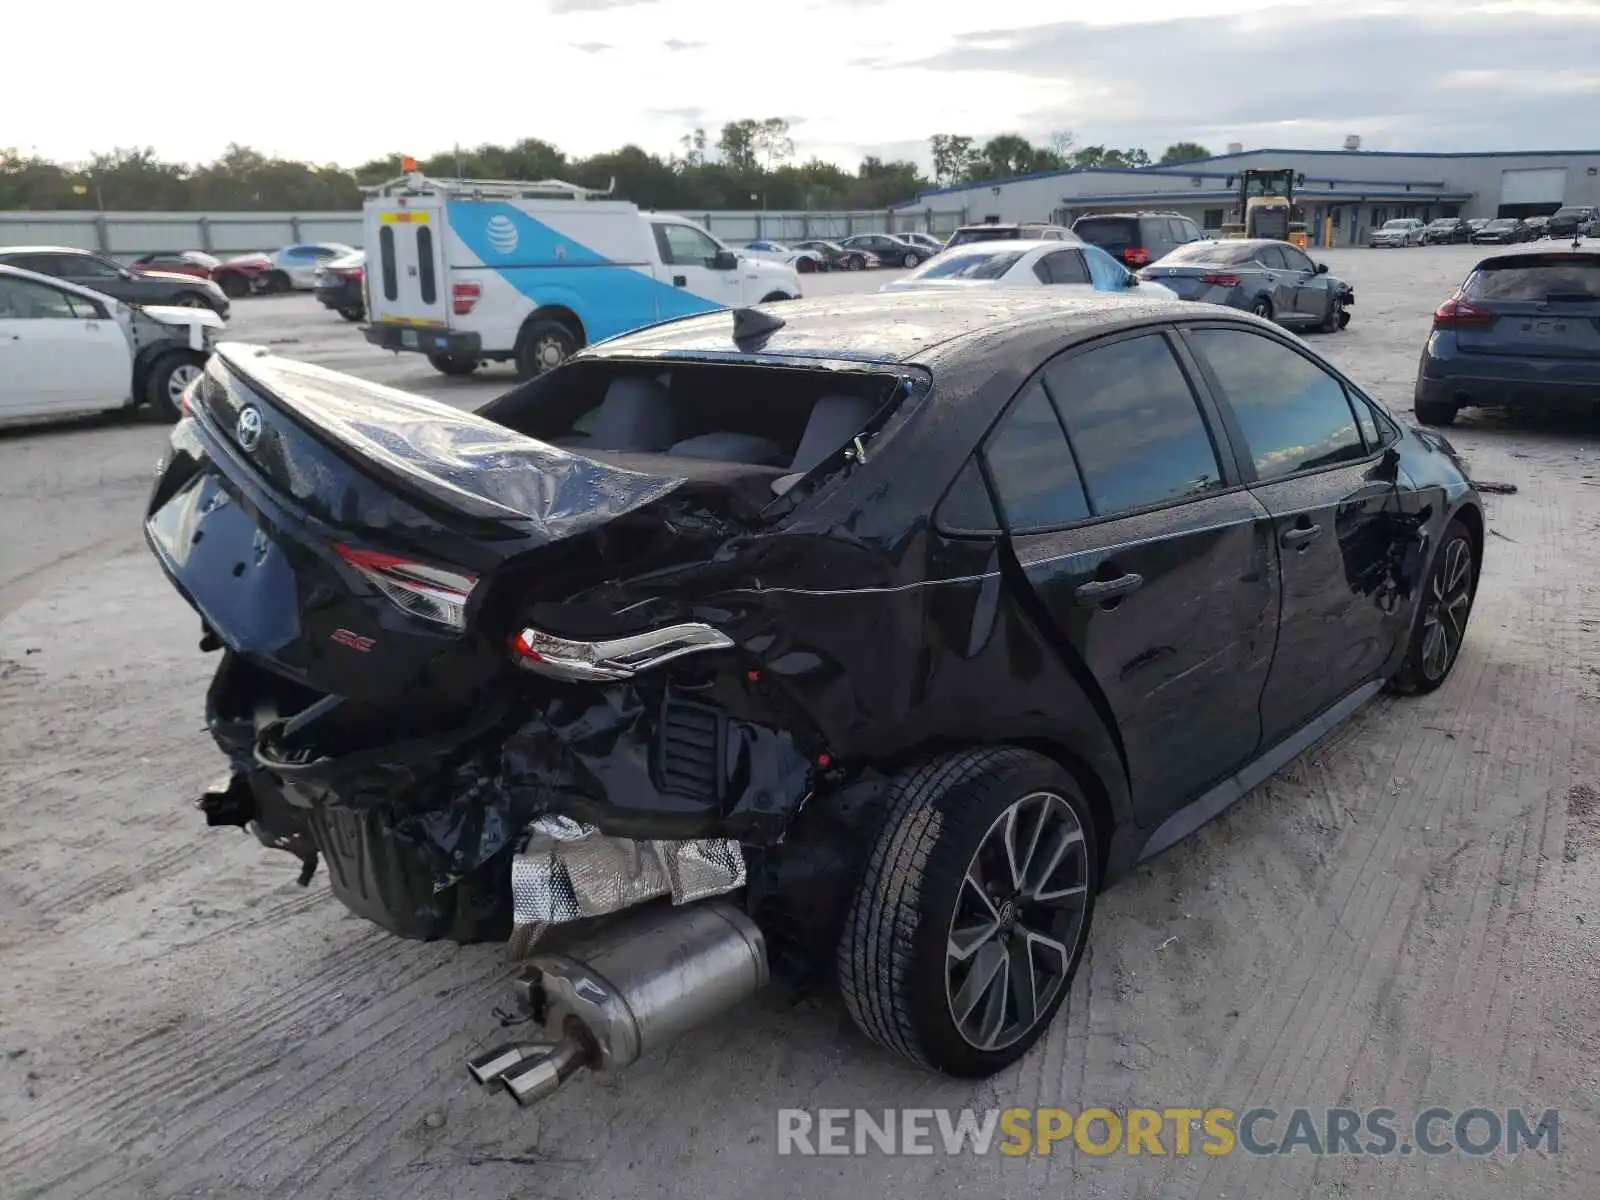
{"type": "Point", "coordinates": [425, 280]}
{"type": "Point", "coordinates": [391, 276]}
{"type": "Point", "coordinates": [684, 245]}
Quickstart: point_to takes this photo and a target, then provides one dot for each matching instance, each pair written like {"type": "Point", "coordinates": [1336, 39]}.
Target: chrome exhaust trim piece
{"type": "Point", "coordinates": [661, 974]}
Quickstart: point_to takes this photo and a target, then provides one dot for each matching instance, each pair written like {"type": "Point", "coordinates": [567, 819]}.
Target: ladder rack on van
{"type": "Point", "coordinates": [418, 184]}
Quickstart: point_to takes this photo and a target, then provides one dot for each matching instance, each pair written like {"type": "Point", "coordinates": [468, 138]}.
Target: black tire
{"type": "Point", "coordinates": [1262, 308]}
{"type": "Point", "coordinates": [910, 260]}
{"type": "Point", "coordinates": [233, 284]}
{"type": "Point", "coordinates": [898, 970]}
{"type": "Point", "coordinates": [352, 314]}
{"type": "Point", "coordinates": [805, 266]}
{"type": "Point", "coordinates": [1335, 320]}
{"type": "Point", "coordinates": [773, 297]}
{"type": "Point", "coordinates": [275, 282]}
{"type": "Point", "coordinates": [452, 364]}
{"type": "Point", "coordinates": [1444, 607]}
{"type": "Point", "coordinates": [854, 262]}
{"type": "Point", "coordinates": [1434, 412]}
{"type": "Point", "coordinates": [168, 376]}
{"type": "Point", "coordinates": [544, 344]}
{"type": "Point", "coordinates": [191, 300]}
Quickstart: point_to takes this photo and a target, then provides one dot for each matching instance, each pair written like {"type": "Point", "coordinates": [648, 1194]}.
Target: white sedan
{"type": "Point", "coordinates": [296, 266]}
{"type": "Point", "coordinates": [1028, 264]}
{"type": "Point", "coordinates": [65, 349]}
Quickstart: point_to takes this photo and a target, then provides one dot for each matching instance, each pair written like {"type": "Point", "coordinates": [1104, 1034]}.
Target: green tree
{"type": "Point", "coordinates": [952, 157]}
{"type": "Point", "coordinates": [738, 144]}
{"type": "Point", "coordinates": [773, 143]}
{"type": "Point", "coordinates": [1183, 152]}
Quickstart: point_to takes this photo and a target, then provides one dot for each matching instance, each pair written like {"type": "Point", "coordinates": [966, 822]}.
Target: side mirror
{"type": "Point", "coordinates": [1322, 268]}
{"type": "Point", "coordinates": [724, 260]}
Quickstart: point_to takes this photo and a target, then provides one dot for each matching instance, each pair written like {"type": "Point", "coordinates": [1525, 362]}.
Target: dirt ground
{"type": "Point", "coordinates": [1407, 915]}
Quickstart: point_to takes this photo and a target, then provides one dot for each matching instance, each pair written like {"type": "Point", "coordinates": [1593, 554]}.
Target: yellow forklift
{"type": "Point", "coordinates": [1266, 206]}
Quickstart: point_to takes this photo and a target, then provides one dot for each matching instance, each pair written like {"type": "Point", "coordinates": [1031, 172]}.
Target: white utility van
{"type": "Point", "coordinates": [466, 270]}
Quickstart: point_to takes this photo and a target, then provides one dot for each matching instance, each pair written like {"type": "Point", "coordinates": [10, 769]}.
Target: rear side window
{"type": "Point", "coordinates": [1575, 277]}
{"type": "Point", "coordinates": [1062, 266]}
{"type": "Point", "coordinates": [1035, 478]}
{"type": "Point", "coordinates": [1293, 414]}
{"type": "Point", "coordinates": [964, 237]}
{"type": "Point", "coordinates": [1113, 234]}
{"type": "Point", "coordinates": [1135, 425]}
{"type": "Point", "coordinates": [425, 280]}
{"type": "Point", "coordinates": [391, 277]}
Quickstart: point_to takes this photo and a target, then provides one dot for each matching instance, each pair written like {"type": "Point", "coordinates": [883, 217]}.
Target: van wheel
{"type": "Point", "coordinates": [773, 297]}
{"type": "Point", "coordinates": [453, 364]}
{"type": "Point", "coordinates": [543, 345]}
{"type": "Point", "coordinates": [973, 911]}
{"type": "Point", "coordinates": [352, 314]}
{"type": "Point", "coordinates": [163, 387]}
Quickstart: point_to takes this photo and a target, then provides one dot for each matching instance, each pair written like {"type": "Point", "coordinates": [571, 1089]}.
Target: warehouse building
{"type": "Point", "coordinates": [1344, 193]}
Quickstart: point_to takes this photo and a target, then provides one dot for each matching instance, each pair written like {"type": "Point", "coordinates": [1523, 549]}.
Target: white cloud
{"type": "Point", "coordinates": [336, 80]}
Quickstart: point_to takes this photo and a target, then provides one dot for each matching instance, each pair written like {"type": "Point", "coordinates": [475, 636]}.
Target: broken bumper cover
{"type": "Point", "coordinates": [422, 836]}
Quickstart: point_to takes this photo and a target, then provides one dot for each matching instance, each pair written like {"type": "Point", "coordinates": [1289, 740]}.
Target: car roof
{"type": "Point", "coordinates": [52, 281]}
{"type": "Point", "coordinates": [1539, 258]}
{"type": "Point", "coordinates": [1129, 216]}
{"type": "Point", "coordinates": [889, 327]}
{"type": "Point", "coordinates": [45, 250]}
{"type": "Point", "coordinates": [1008, 246]}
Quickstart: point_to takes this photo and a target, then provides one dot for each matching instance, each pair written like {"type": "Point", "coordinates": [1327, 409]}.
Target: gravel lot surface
{"type": "Point", "coordinates": [1407, 915]}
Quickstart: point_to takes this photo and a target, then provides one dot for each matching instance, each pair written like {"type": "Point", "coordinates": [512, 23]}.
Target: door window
{"type": "Point", "coordinates": [1062, 266]}
{"type": "Point", "coordinates": [1135, 425]}
{"type": "Point", "coordinates": [25, 300]}
{"type": "Point", "coordinates": [1271, 257]}
{"type": "Point", "coordinates": [1294, 415]}
{"type": "Point", "coordinates": [1295, 259]}
{"type": "Point", "coordinates": [1035, 478]}
{"type": "Point", "coordinates": [83, 266]}
{"type": "Point", "coordinates": [684, 245]}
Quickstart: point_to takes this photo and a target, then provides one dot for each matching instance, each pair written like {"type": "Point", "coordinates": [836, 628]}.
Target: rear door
{"type": "Point", "coordinates": [1332, 501]}
{"type": "Point", "coordinates": [406, 277]}
{"type": "Point", "coordinates": [1310, 289]}
{"type": "Point", "coordinates": [1155, 568]}
{"type": "Point", "coordinates": [1534, 306]}
{"type": "Point", "coordinates": [1281, 286]}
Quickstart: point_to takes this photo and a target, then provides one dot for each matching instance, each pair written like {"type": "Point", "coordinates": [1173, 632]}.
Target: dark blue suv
{"type": "Point", "coordinates": [1523, 331]}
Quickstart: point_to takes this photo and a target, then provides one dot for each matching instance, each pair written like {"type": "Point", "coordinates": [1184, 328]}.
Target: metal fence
{"type": "Point", "coordinates": [128, 235]}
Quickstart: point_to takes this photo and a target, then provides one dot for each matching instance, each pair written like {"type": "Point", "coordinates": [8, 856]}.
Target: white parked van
{"type": "Point", "coordinates": [469, 270]}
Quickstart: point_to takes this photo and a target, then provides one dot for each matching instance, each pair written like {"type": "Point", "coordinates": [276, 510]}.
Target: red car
{"type": "Point", "coordinates": [243, 274]}
{"type": "Point", "coordinates": [238, 276]}
{"type": "Point", "coordinates": [178, 262]}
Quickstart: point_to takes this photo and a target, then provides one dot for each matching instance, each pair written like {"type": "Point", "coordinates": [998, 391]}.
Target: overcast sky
{"type": "Point", "coordinates": [338, 80]}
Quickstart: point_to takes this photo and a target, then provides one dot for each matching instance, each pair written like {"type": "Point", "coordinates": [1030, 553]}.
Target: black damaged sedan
{"type": "Point", "coordinates": [864, 640]}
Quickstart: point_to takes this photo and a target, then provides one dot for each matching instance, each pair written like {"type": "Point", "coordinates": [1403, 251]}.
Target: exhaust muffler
{"type": "Point", "coordinates": [658, 975]}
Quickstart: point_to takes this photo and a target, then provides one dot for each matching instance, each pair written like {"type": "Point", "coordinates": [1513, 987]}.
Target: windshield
{"type": "Point", "coordinates": [1443, 223]}
{"type": "Point", "coordinates": [982, 265]}
{"type": "Point", "coordinates": [1223, 253]}
{"type": "Point", "coordinates": [1400, 224]}
{"type": "Point", "coordinates": [1576, 278]}
{"type": "Point", "coordinates": [1503, 223]}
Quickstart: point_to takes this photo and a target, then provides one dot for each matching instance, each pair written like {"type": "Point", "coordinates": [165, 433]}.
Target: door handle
{"type": "Point", "coordinates": [680, 281]}
{"type": "Point", "coordinates": [1300, 536]}
{"type": "Point", "coordinates": [1098, 591]}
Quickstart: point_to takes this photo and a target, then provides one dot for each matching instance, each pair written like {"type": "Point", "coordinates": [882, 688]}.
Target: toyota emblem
{"type": "Point", "coordinates": [248, 430]}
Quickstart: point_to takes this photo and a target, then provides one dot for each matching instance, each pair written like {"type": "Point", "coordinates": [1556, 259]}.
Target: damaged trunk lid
{"type": "Point", "coordinates": [343, 533]}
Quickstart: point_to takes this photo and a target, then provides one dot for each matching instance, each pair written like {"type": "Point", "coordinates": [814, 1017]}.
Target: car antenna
{"type": "Point", "coordinates": [751, 324]}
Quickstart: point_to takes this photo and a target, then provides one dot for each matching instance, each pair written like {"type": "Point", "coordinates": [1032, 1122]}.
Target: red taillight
{"type": "Point", "coordinates": [1136, 256]}
{"type": "Point", "coordinates": [464, 297]}
{"type": "Point", "coordinates": [355, 274]}
{"type": "Point", "coordinates": [1221, 279]}
{"type": "Point", "coordinates": [1456, 311]}
{"type": "Point", "coordinates": [435, 594]}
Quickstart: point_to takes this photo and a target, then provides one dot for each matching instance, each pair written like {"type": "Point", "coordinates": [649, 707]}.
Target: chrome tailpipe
{"type": "Point", "coordinates": [657, 975]}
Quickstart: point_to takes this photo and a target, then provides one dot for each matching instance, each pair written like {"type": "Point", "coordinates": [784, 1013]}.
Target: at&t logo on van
{"type": "Point", "coordinates": [502, 234]}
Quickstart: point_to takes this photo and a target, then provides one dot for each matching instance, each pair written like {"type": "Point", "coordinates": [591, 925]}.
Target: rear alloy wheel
{"type": "Point", "coordinates": [543, 345]}
{"type": "Point", "coordinates": [854, 262]}
{"type": "Point", "coordinates": [1443, 608]}
{"type": "Point", "coordinates": [910, 260]}
{"type": "Point", "coordinates": [352, 314]}
{"type": "Point", "coordinates": [1262, 308]}
{"type": "Point", "coordinates": [973, 911]}
{"type": "Point", "coordinates": [163, 389]}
